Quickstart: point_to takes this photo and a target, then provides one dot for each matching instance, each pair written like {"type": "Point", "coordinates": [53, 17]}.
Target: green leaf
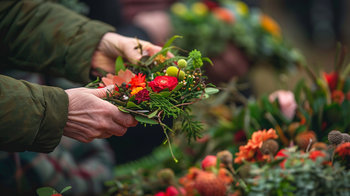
{"type": "Point", "coordinates": [207, 60]}
{"type": "Point", "coordinates": [153, 114]}
{"type": "Point", "coordinates": [46, 191]}
{"type": "Point", "coordinates": [131, 105]}
{"type": "Point", "coordinates": [178, 87]}
{"type": "Point", "coordinates": [170, 41]}
{"type": "Point", "coordinates": [119, 65]}
{"type": "Point", "coordinates": [123, 110]}
{"type": "Point", "coordinates": [164, 93]}
{"type": "Point", "coordinates": [145, 120]}
{"type": "Point", "coordinates": [211, 91]}
{"type": "Point", "coordinates": [66, 189]}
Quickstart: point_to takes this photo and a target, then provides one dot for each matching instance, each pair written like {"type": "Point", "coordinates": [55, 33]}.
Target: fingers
{"type": "Point", "coordinates": [102, 92]}
{"type": "Point", "coordinates": [124, 119]}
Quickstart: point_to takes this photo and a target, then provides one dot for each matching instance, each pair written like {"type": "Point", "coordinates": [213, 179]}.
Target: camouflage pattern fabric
{"type": "Point", "coordinates": [85, 167]}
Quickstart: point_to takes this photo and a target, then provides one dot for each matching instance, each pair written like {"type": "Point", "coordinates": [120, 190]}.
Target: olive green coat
{"type": "Point", "coordinates": [45, 37]}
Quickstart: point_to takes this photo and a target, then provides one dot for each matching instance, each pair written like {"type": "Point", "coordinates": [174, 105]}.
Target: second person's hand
{"type": "Point", "coordinates": [113, 45]}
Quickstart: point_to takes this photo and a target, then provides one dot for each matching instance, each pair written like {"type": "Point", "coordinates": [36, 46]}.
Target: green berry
{"type": "Point", "coordinates": [172, 71]}
{"type": "Point", "coordinates": [182, 63]}
{"type": "Point", "coordinates": [182, 75]}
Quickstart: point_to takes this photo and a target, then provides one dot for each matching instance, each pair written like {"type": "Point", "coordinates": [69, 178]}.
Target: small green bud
{"type": "Point", "coordinates": [182, 75]}
{"type": "Point", "coordinates": [172, 71]}
{"type": "Point", "coordinates": [182, 63]}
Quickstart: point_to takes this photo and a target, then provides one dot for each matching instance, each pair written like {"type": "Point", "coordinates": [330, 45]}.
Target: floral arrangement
{"type": "Point", "coordinates": [159, 87]}
{"type": "Point", "coordinates": [222, 22]}
{"type": "Point", "coordinates": [316, 106]}
{"type": "Point", "coordinates": [264, 169]}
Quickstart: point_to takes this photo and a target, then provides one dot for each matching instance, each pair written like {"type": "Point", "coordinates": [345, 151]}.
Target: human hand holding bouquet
{"type": "Point", "coordinates": [159, 86]}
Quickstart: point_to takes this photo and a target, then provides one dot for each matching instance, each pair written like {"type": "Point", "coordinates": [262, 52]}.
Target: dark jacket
{"type": "Point", "coordinates": [41, 36]}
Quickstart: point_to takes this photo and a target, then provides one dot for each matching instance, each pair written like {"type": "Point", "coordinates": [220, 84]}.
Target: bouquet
{"type": "Point", "coordinates": [222, 22]}
{"type": "Point", "coordinates": [159, 87]}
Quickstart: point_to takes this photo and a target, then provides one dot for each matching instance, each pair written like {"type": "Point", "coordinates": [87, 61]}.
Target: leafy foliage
{"type": "Point", "coordinates": [223, 22]}
{"type": "Point", "coordinates": [301, 176]}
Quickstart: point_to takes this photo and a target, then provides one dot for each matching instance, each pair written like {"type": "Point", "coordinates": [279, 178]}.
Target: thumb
{"type": "Point", "coordinates": [102, 92]}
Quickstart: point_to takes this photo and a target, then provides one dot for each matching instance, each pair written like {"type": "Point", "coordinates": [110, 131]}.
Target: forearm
{"type": "Point", "coordinates": [63, 41]}
{"type": "Point", "coordinates": [32, 117]}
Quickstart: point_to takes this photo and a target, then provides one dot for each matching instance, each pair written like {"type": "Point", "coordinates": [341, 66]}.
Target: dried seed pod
{"type": "Point", "coordinates": [166, 175]}
{"type": "Point", "coordinates": [304, 139]}
{"type": "Point", "coordinates": [225, 157]}
{"type": "Point", "coordinates": [346, 137]}
{"type": "Point", "coordinates": [335, 137]}
{"type": "Point", "coordinates": [269, 147]}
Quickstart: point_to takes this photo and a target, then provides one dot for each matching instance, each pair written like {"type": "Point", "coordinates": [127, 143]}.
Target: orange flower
{"type": "Point", "coordinates": [343, 150]}
{"type": "Point", "coordinates": [188, 181]}
{"type": "Point", "coordinates": [138, 80]}
{"type": "Point", "coordinates": [160, 58]}
{"type": "Point", "coordinates": [270, 25]}
{"type": "Point", "coordinates": [259, 137]}
{"type": "Point", "coordinates": [224, 14]}
{"type": "Point", "coordinates": [338, 96]}
{"type": "Point", "coordinates": [225, 176]}
{"type": "Point", "coordinates": [246, 153]}
{"type": "Point", "coordinates": [136, 90]}
{"type": "Point", "coordinates": [250, 152]}
{"type": "Point", "coordinates": [122, 77]}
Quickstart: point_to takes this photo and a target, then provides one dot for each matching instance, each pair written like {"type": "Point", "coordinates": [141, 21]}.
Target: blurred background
{"type": "Point", "coordinates": [263, 44]}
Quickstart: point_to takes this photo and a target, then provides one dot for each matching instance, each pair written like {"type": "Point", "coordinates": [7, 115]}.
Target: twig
{"type": "Point", "coordinates": [168, 139]}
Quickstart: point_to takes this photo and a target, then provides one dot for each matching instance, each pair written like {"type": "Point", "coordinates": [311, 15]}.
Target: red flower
{"type": "Point", "coordinates": [210, 4]}
{"type": "Point", "coordinates": [338, 96]}
{"type": "Point", "coordinates": [316, 153]}
{"type": "Point", "coordinates": [138, 80]}
{"type": "Point", "coordinates": [172, 191]}
{"type": "Point", "coordinates": [142, 95]}
{"type": "Point", "coordinates": [208, 162]}
{"type": "Point", "coordinates": [160, 194]}
{"type": "Point", "coordinates": [239, 137]}
{"type": "Point", "coordinates": [343, 150]}
{"type": "Point", "coordinates": [56, 194]}
{"type": "Point", "coordinates": [348, 96]}
{"type": "Point", "coordinates": [332, 79]}
{"type": "Point", "coordinates": [163, 82]}
{"type": "Point", "coordinates": [281, 154]}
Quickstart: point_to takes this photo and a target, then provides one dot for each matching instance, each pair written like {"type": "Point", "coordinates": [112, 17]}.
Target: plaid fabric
{"type": "Point", "coordinates": [85, 167]}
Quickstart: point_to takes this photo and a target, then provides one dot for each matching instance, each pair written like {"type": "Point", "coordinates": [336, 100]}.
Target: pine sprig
{"type": "Point", "coordinates": [191, 127]}
{"type": "Point", "coordinates": [159, 155]}
{"type": "Point", "coordinates": [158, 101]}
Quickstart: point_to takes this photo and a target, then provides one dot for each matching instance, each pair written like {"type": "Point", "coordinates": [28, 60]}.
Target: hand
{"type": "Point", "coordinates": [90, 117]}
{"type": "Point", "coordinates": [151, 21]}
{"type": "Point", "coordinates": [113, 45]}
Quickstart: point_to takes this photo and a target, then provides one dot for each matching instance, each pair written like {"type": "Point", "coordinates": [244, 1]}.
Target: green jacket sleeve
{"type": "Point", "coordinates": [41, 36]}
{"type": "Point", "coordinates": [32, 117]}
